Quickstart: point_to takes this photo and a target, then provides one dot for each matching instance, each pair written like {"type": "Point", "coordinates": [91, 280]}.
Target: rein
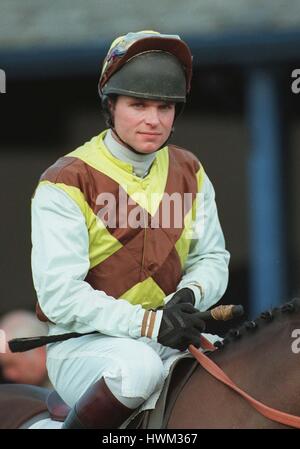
{"type": "Point", "coordinates": [212, 368]}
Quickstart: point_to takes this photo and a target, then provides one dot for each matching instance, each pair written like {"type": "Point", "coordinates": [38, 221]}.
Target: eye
{"type": "Point", "coordinates": [137, 105]}
{"type": "Point", "coordinates": [166, 106]}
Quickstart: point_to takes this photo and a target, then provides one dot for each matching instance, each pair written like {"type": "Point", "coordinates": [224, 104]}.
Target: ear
{"type": "Point", "coordinates": [111, 104]}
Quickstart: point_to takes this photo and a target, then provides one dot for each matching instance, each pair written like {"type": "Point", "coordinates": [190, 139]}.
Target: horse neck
{"type": "Point", "coordinates": [263, 363]}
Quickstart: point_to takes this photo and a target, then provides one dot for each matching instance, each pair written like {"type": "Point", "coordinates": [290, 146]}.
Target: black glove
{"type": "Point", "coordinates": [180, 326]}
{"type": "Point", "coordinates": [185, 295]}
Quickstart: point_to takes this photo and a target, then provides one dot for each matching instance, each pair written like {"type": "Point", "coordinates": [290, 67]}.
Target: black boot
{"type": "Point", "coordinates": [97, 408]}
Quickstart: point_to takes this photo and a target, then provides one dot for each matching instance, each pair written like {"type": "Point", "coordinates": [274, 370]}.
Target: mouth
{"type": "Point", "coordinates": [149, 134]}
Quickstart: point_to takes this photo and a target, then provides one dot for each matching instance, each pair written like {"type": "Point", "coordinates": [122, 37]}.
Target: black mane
{"type": "Point", "coordinates": [265, 317]}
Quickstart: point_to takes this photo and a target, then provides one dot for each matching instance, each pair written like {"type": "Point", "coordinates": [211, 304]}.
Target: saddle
{"type": "Point", "coordinates": [22, 405]}
{"type": "Point", "coordinates": [180, 372]}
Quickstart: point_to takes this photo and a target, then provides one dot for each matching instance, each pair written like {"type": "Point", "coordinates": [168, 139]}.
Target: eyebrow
{"type": "Point", "coordinates": [144, 101]}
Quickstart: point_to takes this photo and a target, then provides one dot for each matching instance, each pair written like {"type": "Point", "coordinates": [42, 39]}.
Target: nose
{"type": "Point", "coordinates": [151, 116]}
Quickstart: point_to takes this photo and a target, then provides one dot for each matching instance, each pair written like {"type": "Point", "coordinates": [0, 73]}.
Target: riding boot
{"type": "Point", "coordinates": [97, 408]}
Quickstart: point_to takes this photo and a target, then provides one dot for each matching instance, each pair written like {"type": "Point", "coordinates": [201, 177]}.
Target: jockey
{"type": "Point", "coordinates": [110, 253]}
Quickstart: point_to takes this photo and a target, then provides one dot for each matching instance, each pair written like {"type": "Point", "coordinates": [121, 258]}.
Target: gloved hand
{"type": "Point", "coordinates": [184, 295]}
{"type": "Point", "coordinates": [180, 326]}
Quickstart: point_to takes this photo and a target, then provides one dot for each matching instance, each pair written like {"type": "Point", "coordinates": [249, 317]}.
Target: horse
{"type": "Point", "coordinates": [261, 356]}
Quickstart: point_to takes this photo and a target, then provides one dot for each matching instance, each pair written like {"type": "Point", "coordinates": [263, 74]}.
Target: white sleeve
{"type": "Point", "coordinates": [206, 268]}
{"type": "Point", "coordinates": [60, 263]}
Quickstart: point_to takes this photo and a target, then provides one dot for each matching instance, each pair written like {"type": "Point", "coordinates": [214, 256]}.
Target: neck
{"type": "Point", "coordinates": [262, 364]}
{"type": "Point", "coordinates": [116, 136]}
{"type": "Point", "coordinates": [140, 162]}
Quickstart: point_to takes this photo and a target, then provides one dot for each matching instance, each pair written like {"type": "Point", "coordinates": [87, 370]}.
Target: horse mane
{"type": "Point", "coordinates": [251, 326]}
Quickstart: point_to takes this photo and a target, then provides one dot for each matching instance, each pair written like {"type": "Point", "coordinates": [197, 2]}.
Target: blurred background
{"type": "Point", "coordinates": [241, 120]}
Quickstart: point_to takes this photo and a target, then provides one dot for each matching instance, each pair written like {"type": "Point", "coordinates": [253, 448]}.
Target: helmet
{"type": "Point", "coordinates": [147, 64]}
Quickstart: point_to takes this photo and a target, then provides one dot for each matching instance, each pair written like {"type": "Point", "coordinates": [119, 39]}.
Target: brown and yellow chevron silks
{"type": "Point", "coordinates": [143, 264]}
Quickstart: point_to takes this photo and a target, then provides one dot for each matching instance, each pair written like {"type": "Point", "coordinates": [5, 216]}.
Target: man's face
{"type": "Point", "coordinates": [143, 124]}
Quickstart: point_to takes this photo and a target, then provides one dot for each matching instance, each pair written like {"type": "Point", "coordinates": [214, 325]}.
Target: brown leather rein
{"type": "Point", "coordinates": [213, 369]}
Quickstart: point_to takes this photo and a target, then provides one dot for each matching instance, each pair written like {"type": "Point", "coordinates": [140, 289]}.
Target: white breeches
{"type": "Point", "coordinates": [133, 369]}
